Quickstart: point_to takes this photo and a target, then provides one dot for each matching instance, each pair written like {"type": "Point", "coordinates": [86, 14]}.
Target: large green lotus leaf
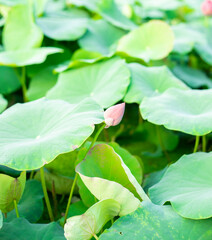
{"type": "Point", "coordinates": [156, 41]}
{"type": "Point", "coordinates": [3, 103]}
{"type": "Point", "coordinates": [21, 229]}
{"type": "Point", "coordinates": [102, 155]}
{"type": "Point", "coordinates": [101, 37]}
{"type": "Point", "coordinates": [193, 77]}
{"type": "Point", "coordinates": [25, 57]}
{"type": "Point", "coordinates": [40, 83]}
{"type": "Point", "coordinates": [106, 176]}
{"type": "Point", "coordinates": [31, 203]}
{"type": "Point", "coordinates": [87, 225]}
{"type": "Point", "coordinates": [157, 222]}
{"type": "Point", "coordinates": [28, 34]}
{"type": "Point", "coordinates": [149, 81]}
{"type": "Point", "coordinates": [11, 189]}
{"type": "Point", "coordinates": [187, 111]}
{"type": "Point", "coordinates": [66, 25]}
{"type": "Point", "coordinates": [185, 38]}
{"type": "Point", "coordinates": [161, 4]}
{"type": "Point", "coordinates": [187, 185]}
{"type": "Point", "coordinates": [109, 10]}
{"type": "Point", "coordinates": [130, 160]}
{"type": "Point", "coordinates": [60, 184]}
{"type": "Point", "coordinates": [44, 129]}
{"type": "Point", "coordinates": [1, 219]}
{"type": "Point", "coordinates": [9, 81]}
{"type": "Point", "coordinates": [105, 86]}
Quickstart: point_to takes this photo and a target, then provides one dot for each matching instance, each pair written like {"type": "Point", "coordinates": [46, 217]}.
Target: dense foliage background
{"type": "Point", "coordinates": [62, 64]}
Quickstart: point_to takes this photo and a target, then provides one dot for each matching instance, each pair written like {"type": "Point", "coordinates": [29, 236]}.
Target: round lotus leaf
{"type": "Point", "coordinates": [105, 82]}
{"type": "Point", "coordinates": [3, 103]}
{"type": "Point", "coordinates": [151, 41]}
{"type": "Point", "coordinates": [187, 184]}
{"type": "Point", "coordinates": [21, 229]}
{"type": "Point", "coordinates": [187, 111]}
{"type": "Point", "coordinates": [20, 58]}
{"type": "Point", "coordinates": [11, 189]}
{"type": "Point", "coordinates": [35, 133]}
{"type": "Point", "coordinates": [157, 223]}
{"type": "Point", "coordinates": [66, 25]}
{"type": "Point", "coordinates": [149, 81]}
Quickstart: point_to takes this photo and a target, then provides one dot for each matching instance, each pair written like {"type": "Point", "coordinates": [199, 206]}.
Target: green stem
{"type": "Point", "coordinates": [96, 237]}
{"type": "Point", "coordinates": [162, 144]}
{"type": "Point", "coordinates": [16, 208]}
{"type": "Point", "coordinates": [31, 174]}
{"type": "Point", "coordinates": [204, 143]}
{"type": "Point", "coordinates": [76, 175]}
{"type": "Point", "coordinates": [42, 176]}
{"type": "Point", "coordinates": [196, 144]}
{"type": "Point", "coordinates": [23, 84]}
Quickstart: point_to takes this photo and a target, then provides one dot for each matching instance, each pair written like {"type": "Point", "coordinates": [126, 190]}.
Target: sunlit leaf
{"type": "Point", "coordinates": [85, 226]}
{"type": "Point", "coordinates": [187, 185]}
{"type": "Point", "coordinates": [20, 31]}
{"type": "Point", "coordinates": [157, 222]}
{"type": "Point", "coordinates": [186, 111]}
{"type": "Point", "coordinates": [151, 41]}
{"type": "Point", "coordinates": [44, 129]}
{"type": "Point", "coordinates": [95, 81]}
{"type": "Point", "coordinates": [149, 81]}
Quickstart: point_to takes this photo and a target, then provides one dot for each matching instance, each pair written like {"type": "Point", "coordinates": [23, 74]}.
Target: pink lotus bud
{"type": "Point", "coordinates": [114, 115]}
{"type": "Point", "coordinates": [207, 7]}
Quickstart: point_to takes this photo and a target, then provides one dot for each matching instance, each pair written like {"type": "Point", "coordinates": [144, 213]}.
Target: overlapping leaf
{"type": "Point", "coordinates": [44, 129]}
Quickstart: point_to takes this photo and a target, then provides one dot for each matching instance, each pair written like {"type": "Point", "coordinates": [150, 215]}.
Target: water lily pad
{"type": "Point", "coordinates": [9, 81]}
{"type": "Point", "coordinates": [44, 129]}
{"type": "Point", "coordinates": [186, 111]}
{"type": "Point", "coordinates": [20, 228]}
{"type": "Point", "coordinates": [28, 35]}
{"type": "Point", "coordinates": [66, 25]}
{"type": "Point", "coordinates": [11, 189]}
{"type": "Point", "coordinates": [105, 86]}
{"type": "Point", "coordinates": [90, 5]}
{"type": "Point", "coordinates": [161, 4]}
{"type": "Point", "coordinates": [149, 81]}
{"type": "Point", "coordinates": [85, 226]}
{"type": "Point", "coordinates": [157, 222]}
{"type": "Point", "coordinates": [101, 37]}
{"type": "Point", "coordinates": [31, 203]}
{"type": "Point", "coordinates": [109, 10]}
{"type": "Point", "coordinates": [156, 41]}
{"type": "Point", "coordinates": [3, 103]}
{"type": "Point", "coordinates": [187, 185]}
{"type": "Point", "coordinates": [12, 2]}
{"type": "Point", "coordinates": [25, 57]}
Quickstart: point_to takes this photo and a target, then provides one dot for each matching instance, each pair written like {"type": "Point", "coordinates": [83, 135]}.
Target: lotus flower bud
{"type": "Point", "coordinates": [207, 7]}
{"type": "Point", "coordinates": [114, 115]}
